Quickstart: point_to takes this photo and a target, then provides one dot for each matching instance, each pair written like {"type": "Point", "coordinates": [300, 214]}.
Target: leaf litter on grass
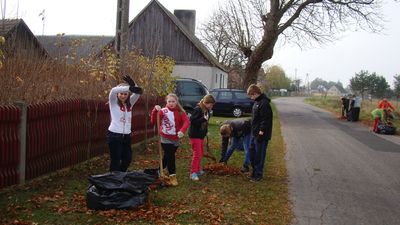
{"type": "Point", "coordinates": [220, 169]}
{"type": "Point", "coordinates": [213, 200]}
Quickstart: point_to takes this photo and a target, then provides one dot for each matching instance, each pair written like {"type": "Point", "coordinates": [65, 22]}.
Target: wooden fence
{"type": "Point", "coordinates": [41, 138]}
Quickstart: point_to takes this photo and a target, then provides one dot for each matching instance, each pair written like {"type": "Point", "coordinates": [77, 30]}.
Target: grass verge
{"type": "Point", "coordinates": [215, 199]}
{"type": "Point", "coordinates": [333, 104]}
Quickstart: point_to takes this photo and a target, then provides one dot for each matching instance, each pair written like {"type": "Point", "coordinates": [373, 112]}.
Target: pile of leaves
{"type": "Point", "coordinates": [220, 169]}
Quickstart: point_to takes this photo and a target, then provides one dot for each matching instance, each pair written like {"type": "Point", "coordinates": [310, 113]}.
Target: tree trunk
{"type": "Point", "coordinates": [261, 53]}
{"type": "Point", "coordinates": [251, 72]}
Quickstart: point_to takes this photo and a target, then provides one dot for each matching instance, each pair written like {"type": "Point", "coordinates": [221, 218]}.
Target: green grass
{"type": "Point", "coordinates": [215, 199]}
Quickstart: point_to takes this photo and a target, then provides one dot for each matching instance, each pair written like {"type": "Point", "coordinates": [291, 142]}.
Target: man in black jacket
{"type": "Point", "coordinates": [237, 132]}
{"type": "Point", "coordinates": [345, 106]}
{"type": "Point", "coordinates": [261, 124]}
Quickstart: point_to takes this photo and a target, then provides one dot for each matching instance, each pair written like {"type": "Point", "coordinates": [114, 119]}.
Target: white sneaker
{"type": "Point", "coordinates": [194, 177]}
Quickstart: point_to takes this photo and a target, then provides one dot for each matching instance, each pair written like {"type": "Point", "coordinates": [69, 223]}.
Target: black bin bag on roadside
{"type": "Point", "coordinates": [118, 190]}
{"type": "Point", "coordinates": [386, 129]}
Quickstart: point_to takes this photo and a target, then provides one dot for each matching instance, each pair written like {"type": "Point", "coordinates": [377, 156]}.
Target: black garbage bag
{"type": "Point", "coordinates": [153, 172]}
{"type": "Point", "coordinates": [118, 190]}
{"type": "Point", "coordinates": [386, 128]}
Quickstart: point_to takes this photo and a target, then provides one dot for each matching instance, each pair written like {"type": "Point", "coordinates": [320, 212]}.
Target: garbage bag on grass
{"type": "Point", "coordinates": [118, 190]}
{"type": "Point", "coordinates": [386, 129]}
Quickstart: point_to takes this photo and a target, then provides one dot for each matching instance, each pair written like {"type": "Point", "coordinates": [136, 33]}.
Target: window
{"type": "Point", "coordinates": [225, 95]}
{"type": "Point", "coordinates": [191, 89]}
{"type": "Point", "coordinates": [241, 95]}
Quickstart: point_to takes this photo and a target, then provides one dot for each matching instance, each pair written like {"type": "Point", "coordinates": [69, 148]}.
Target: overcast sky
{"type": "Point", "coordinates": [337, 61]}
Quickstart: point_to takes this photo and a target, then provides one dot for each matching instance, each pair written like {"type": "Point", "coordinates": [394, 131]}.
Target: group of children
{"type": "Point", "coordinates": [174, 123]}
{"type": "Point", "coordinates": [382, 114]}
{"type": "Point", "coordinates": [253, 134]}
{"type": "Point", "coordinates": [351, 107]}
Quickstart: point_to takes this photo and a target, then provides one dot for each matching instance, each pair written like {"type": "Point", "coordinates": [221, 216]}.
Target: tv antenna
{"type": "Point", "coordinates": [43, 19]}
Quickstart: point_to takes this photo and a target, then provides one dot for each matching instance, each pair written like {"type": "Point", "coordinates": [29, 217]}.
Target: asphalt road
{"type": "Point", "coordinates": [339, 171]}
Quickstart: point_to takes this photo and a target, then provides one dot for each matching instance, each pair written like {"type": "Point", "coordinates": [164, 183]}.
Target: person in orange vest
{"type": "Point", "coordinates": [385, 104]}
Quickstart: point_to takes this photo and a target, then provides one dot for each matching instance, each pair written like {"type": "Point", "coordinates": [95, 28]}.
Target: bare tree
{"type": "Point", "coordinates": [254, 26]}
{"type": "Point", "coordinates": [218, 42]}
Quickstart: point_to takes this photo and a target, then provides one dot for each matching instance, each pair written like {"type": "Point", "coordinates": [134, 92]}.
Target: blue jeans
{"type": "Point", "coordinates": [258, 152]}
{"type": "Point", "coordinates": [120, 151]}
{"type": "Point", "coordinates": [239, 143]}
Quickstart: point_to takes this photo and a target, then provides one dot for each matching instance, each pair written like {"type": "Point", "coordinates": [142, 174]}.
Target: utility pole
{"type": "Point", "coordinates": [3, 9]}
{"type": "Point", "coordinates": [121, 36]}
{"type": "Point", "coordinates": [295, 81]}
{"type": "Point", "coordinates": [308, 84]}
{"type": "Point", "coordinates": [3, 12]}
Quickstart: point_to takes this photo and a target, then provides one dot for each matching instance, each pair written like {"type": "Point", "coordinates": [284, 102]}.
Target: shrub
{"type": "Point", "coordinates": [36, 80]}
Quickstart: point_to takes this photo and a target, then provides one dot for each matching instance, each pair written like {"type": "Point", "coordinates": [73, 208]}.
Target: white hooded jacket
{"type": "Point", "coordinates": [121, 117]}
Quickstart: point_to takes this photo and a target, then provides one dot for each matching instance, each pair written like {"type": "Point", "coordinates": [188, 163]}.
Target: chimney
{"type": "Point", "coordinates": [188, 18]}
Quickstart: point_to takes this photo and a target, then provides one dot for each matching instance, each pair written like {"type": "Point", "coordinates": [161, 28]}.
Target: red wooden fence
{"type": "Point", "coordinates": [59, 134]}
{"type": "Point", "coordinates": [9, 145]}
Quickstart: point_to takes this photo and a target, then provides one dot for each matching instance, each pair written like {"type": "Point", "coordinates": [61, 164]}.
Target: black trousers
{"type": "Point", "coordinates": [355, 114]}
{"type": "Point", "coordinates": [169, 157]}
{"type": "Point", "coordinates": [120, 151]}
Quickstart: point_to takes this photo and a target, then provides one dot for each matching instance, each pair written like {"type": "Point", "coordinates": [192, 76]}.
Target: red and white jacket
{"type": "Point", "coordinates": [121, 117]}
{"type": "Point", "coordinates": [171, 122]}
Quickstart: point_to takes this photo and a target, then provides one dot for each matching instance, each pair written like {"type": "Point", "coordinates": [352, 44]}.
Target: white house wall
{"type": "Point", "coordinates": [211, 77]}
{"type": "Point", "coordinates": [220, 78]}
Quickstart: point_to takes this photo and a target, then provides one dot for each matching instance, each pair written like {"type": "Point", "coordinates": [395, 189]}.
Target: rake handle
{"type": "Point", "coordinates": [159, 145]}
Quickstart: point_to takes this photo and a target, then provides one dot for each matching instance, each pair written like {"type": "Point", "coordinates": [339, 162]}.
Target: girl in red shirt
{"type": "Point", "coordinates": [173, 124]}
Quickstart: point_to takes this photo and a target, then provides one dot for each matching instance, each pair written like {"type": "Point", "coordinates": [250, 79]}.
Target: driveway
{"type": "Point", "coordinates": [339, 172]}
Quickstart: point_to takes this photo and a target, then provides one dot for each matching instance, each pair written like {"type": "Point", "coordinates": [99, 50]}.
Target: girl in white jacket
{"type": "Point", "coordinates": [121, 100]}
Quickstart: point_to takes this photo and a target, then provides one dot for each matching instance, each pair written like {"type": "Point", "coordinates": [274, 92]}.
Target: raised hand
{"type": "Point", "coordinates": [128, 80]}
{"type": "Point", "coordinates": [136, 90]}
{"type": "Point", "coordinates": [132, 85]}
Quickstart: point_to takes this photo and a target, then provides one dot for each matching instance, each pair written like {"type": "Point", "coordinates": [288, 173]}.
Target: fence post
{"type": "Point", "coordinates": [22, 135]}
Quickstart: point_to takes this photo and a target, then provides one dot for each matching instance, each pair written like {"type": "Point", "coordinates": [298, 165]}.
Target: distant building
{"type": "Point", "coordinates": [334, 91]}
{"type": "Point", "coordinates": [73, 47]}
{"type": "Point", "coordinates": [156, 31]}
{"type": "Point", "coordinates": [20, 41]}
